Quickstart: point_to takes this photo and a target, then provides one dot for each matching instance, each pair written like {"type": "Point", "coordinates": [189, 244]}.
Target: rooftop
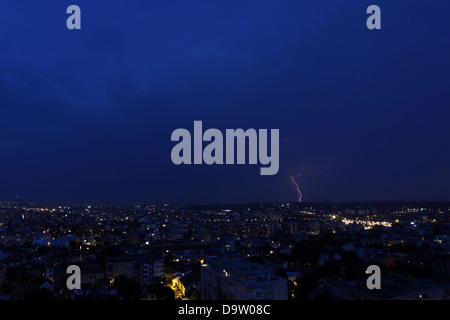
{"type": "Point", "coordinates": [240, 266]}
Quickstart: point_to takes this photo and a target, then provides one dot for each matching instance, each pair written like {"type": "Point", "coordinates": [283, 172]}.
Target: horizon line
{"type": "Point", "coordinates": [231, 203]}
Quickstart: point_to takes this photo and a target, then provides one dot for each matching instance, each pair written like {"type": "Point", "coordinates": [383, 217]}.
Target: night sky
{"type": "Point", "coordinates": [86, 115]}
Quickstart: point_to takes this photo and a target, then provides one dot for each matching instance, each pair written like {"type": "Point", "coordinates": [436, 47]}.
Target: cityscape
{"type": "Point", "coordinates": [259, 251]}
{"type": "Point", "coordinates": [224, 158]}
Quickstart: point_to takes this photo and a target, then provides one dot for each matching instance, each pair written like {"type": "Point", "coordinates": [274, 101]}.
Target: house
{"type": "Point", "coordinates": [233, 278]}
{"type": "Point", "coordinates": [293, 275]}
{"type": "Point", "coordinates": [48, 285]}
{"type": "Point", "coordinates": [277, 263]}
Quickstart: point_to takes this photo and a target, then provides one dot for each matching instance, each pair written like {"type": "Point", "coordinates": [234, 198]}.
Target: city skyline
{"type": "Point", "coordinates": [229, 252]}
{"type": "Point", "coordinates": [168, 203]}
{"type": "Point", "coordinates": [221, 158]}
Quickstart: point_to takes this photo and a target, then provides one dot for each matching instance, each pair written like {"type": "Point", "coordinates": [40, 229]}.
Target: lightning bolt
{"type": "Point", "coordinates": [296, 187]}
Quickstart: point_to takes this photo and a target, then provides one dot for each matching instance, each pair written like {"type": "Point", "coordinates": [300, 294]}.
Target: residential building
{"type": "Point", "coordinates": [233, 278]}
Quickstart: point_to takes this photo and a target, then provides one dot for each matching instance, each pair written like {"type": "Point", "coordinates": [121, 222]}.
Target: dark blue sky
{"type": "Point", "coordinates": [87, 115]}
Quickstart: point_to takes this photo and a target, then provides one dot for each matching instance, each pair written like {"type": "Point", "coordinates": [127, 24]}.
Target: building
{"type": "Point", "coordinates": [392, 289]}
{"type": "Point", "coordinates": [135, 267]}
{"type": "Point", "coordinates": [158, 268]}
{"type": "Point", "coordinates": [232, 278]}
{"type": "Point", "coordinates": [121, 266]}
{"type": "Point", "coordinates": [91, 275]}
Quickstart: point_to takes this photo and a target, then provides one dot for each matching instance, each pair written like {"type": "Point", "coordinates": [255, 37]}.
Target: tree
{"type": "Point", "coordinates": [164, 293]}
{"type": "Point", "coordinates": [193, 294]}
{"type": "Point", "coordinates": [127, 288]}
